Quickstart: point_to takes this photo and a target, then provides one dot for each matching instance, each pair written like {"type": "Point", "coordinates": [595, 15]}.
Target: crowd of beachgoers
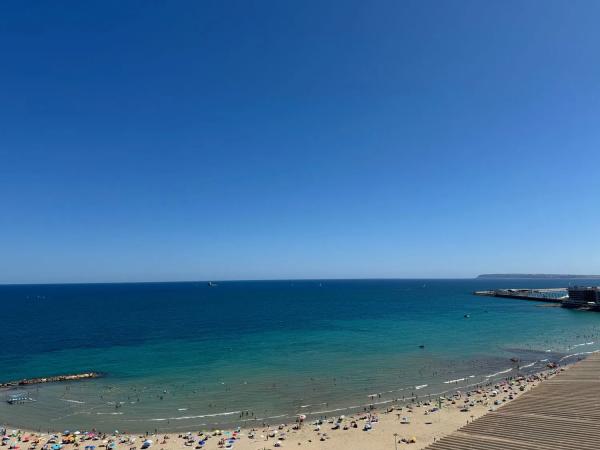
{"type": "Point", "coordinates": [416, 424]}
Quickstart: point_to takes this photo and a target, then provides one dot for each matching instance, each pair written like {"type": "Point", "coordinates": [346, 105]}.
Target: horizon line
{"type": "Point", "coordinates": [516, 276]}
{"type": "Point", "coordinates": [236, 280]}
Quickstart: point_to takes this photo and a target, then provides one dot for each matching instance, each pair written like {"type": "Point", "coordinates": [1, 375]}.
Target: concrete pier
{"type": "Point", "coordinates": [553, 295]}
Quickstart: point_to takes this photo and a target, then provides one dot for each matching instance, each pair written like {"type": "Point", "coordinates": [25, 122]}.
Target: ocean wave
{"type": "Point", "coordinates": [578, 354]}
{"type": "Point", "coordinates": [314, 404]}
{"type": "Point", "coordinates": [72, 401]}
{"type": "Point", "coordinates": [382, 402]}
{"type": "Point", "coordinates": [334, 410]}
{"type": "Point", "coordinates": [499, 373]}
{"type": "Point", "coordinates": [273, 417]}
{"type": "Point", "coordinates": [580, 345]}
{"type": "Point", "coordinates": [421, 386]}
{"type": "Point", "coordinates": [455, 381]}
{"type": "Point", "coordinates": [528, 365]}
{"type": "Point", "coordinates": [163, 419]}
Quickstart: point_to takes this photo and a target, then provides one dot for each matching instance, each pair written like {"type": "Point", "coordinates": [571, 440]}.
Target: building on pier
{"type": "Point", "coordinates": [583, 297]}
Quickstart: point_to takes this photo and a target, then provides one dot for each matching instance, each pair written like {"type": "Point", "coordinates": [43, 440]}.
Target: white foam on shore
{"type": "Point", "coordinates": [382, 402]}
{"type": "Point", "coordinates": [275, 417]}
{"type": "Point", "coordinates": [314, 404]}
{"type": "Point", "coordinates": [162, 419]}
{"type": "Point", "coordinates": [580, 345]}
{"type": "Point", "coordinates": [578, 354]}
{"type": "Point", "coordinates": [457, 380]}
{"type": "Point", "coordinates": [499, 373]}
{"type": "Point", "coordinates": [332, 410]}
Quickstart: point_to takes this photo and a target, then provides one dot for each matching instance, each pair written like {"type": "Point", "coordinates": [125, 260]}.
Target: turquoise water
{"type": "Point", "coordinates": [185, 356]}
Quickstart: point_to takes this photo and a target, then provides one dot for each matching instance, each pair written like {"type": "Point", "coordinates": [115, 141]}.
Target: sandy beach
{"type": "Point", "coordinates": [415, 425]}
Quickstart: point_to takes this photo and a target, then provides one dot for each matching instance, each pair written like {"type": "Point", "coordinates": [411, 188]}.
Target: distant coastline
{"type": "Point", "coordinates": [536, 276]}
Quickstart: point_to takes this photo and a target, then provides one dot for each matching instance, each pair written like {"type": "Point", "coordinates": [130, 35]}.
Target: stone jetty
{"type": "Point", "coordinates": [53, 379]}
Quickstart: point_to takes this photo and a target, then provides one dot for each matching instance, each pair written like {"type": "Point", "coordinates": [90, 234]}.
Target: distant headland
{"type": "Point", "coordinates": [537, 276]}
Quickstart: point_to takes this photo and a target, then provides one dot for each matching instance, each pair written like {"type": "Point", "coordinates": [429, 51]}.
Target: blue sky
{"type": "Point", "coordinates": [269, 139]}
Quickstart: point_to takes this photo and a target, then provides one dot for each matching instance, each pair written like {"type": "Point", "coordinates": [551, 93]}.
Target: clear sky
{"type": "Point", "coordinates": [291, 139]}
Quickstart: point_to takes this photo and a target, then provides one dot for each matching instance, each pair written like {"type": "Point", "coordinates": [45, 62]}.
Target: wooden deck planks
{"type": "Point", "coordinates": [563, 412]}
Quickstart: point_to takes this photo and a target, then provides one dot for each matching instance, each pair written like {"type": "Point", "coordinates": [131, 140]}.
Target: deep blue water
{"type": "Point", "coordinates": [187, 356]}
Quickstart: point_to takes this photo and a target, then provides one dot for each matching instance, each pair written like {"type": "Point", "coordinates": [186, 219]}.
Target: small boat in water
{"type": "Point", "coordinates": [211, 284]}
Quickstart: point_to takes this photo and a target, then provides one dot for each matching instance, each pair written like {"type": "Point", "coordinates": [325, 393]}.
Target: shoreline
{"type": "Point", "coordinates": [391, 398]}
{"type": "Point", "coordinates": [428, 420]}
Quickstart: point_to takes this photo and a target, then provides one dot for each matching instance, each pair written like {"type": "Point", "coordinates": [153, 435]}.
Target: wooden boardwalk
{"type": "Point", "coordinates": [561, 413]}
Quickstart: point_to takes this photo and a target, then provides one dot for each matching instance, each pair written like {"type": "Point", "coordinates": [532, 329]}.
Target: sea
{"type": "Point", "coordinates": [189, 357]}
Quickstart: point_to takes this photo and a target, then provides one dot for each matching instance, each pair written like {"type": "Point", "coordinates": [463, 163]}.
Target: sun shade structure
{"type": "Point", "coordinates": [18, 397]}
